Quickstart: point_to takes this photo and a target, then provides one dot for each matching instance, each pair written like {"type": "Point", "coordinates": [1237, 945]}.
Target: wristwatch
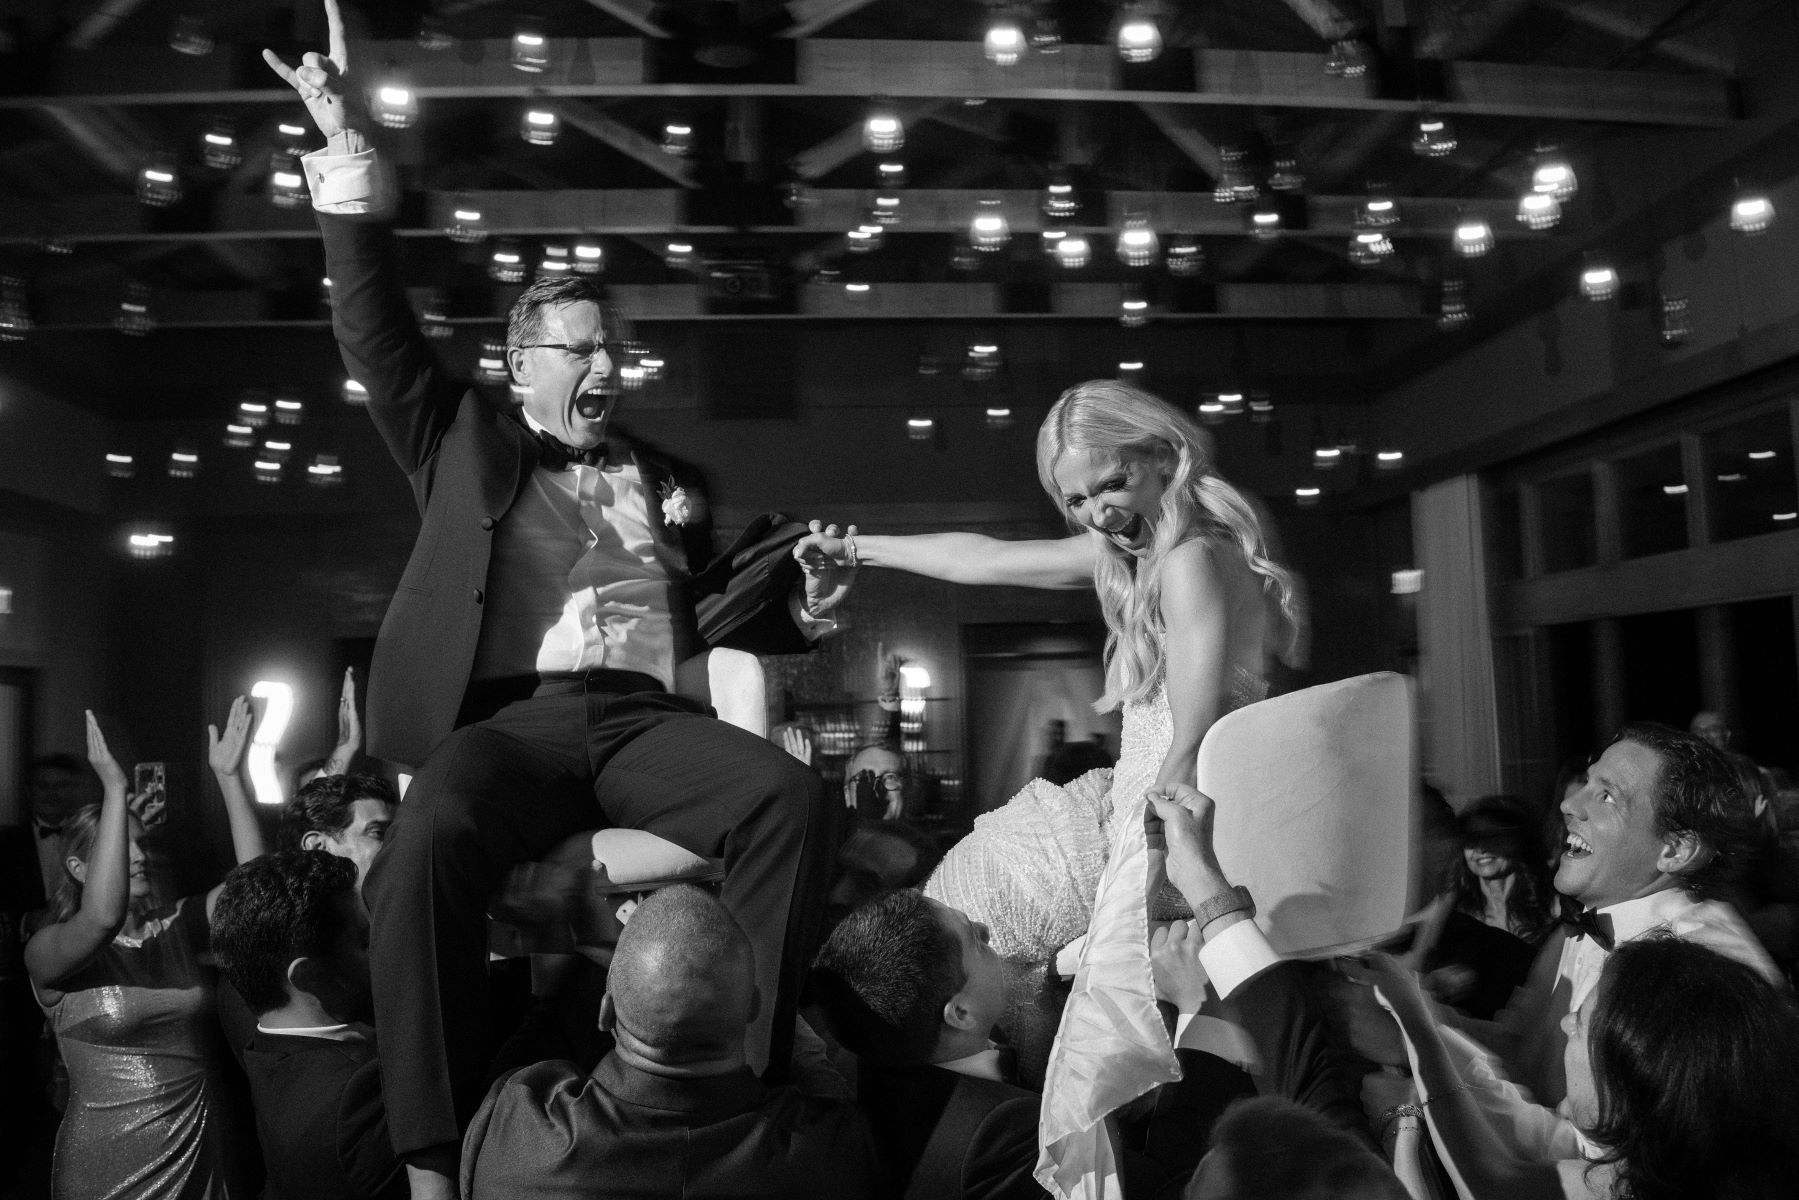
{"type": "Point", "coordinates": [1230, 900]}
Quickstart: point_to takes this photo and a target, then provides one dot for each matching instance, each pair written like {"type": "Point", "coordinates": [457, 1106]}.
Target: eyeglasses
{"type": "Point", "coordinates": [583, 350]}
{"type": "Point", "coordinates": [889, 780]}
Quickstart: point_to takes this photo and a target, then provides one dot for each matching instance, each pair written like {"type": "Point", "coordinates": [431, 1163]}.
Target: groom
{"type": "Point", "coordinates": [525, 662]}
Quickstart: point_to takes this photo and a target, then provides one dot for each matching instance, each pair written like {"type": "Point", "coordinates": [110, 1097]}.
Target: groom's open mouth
{"type": "Point", "coordinates": [1575, 846]}
{"type": "Point", "coordinates": [592, 403]}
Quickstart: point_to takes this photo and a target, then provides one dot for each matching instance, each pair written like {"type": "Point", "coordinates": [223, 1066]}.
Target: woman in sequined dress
{"type": "Point", "coordinates": [120, 981]}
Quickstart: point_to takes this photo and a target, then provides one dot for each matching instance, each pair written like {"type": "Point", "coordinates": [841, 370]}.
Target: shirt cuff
{"type": "Point", "coordinates": [812, 627]}
{"type": "Point", "coordinates": [343, 184]}
{"type": "Point", "coordinates": [1236, 956]}
{"type": "Point", "coordinates": [1220, 1039]}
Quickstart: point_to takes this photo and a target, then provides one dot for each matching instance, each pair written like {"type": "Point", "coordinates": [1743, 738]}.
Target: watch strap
{"type": "Point", "coordinates": [1236, 899]}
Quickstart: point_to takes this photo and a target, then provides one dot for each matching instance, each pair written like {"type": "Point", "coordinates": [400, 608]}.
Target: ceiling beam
{"type": "Point", "coordinates": [810, 16]}
{"type": "Point", "coordinates": [825, 157]}
{"type": "Point", "coordinates": [1324, 18]}
{"type": "Point", "coordinates": [103, 219]}
{"type": "Point", "coordinates": [102, 21]}
{"type": "Point", "coordinates": [929, 70]}
{"type": "Point", "coordinates": [1194, 144]}
{"type": "Point", "coordinates": [1624, 23]}
{"type": "Point", "coordinates": [627, 141]}
{"type": "Point", "coordinates": [95, 308]}
{"type": "Point", "coordinates": [635, 13]}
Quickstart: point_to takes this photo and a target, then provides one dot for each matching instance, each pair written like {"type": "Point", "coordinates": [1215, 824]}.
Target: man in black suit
{"type": "Point", "coordinates": [673, 1110]}
{"type": "Point", "coordinates": [912, 987]}
{"type": "Point", "coordinates": [525, 664]}
{"type": "Point", "coordinates": [293, 940]}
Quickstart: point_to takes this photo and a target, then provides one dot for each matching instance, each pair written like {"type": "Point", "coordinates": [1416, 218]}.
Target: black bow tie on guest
{"type": "Point", "coordinates": [559, 456]}
{"type": "Point", "coordinates": [1588, 923]}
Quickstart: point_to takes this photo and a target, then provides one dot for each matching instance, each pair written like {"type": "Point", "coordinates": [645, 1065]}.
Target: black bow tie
{"type": "Point", "coordinates": [559, 455]}
{"type": "Point", "coordinates": [1588, 923]}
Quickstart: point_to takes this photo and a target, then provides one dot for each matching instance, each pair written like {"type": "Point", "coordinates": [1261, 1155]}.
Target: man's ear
{"type": "Point", "coordinates": [303, 975]}
{"type": "Point", "coordinates": [520, 364]}
{"type": "Point", "coordinates": [608, 1013]}
{"type": "Point", "coordinates": [1682, 853]}
{"type": "Point", "coordinates": [957, 1014]}
{"type": "Point", "coordinates": [312, 839]}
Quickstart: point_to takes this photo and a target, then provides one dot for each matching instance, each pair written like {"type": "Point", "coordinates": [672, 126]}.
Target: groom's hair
{"type": "Point", "coordinates": [884, 976]}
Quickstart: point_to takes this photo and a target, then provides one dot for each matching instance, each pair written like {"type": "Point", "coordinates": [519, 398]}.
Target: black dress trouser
{"type": "Point", "coordinates": [508, 789]}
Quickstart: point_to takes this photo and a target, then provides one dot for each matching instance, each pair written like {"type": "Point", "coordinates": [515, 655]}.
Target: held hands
{"type": "Point", "coordinates": [1179, 820]}
{"type": "Point", "coordinates": [828, 562]}
{"type": "Point", "coordinates": [112, 775]}
{"type": "Point", "coordinates": [1174, 964]}
{"type": "Point", "coordinates": [322, 80]}
{"type": "Point", "coordinates": [225, 752]}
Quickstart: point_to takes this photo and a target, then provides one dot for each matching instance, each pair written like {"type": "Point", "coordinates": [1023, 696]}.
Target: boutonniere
{"type": "Point", "coordinates": [678, 508]}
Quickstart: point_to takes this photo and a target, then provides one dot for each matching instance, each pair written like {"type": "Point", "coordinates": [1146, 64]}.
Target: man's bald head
{"type": "Point", "coordinates": [681, 990]}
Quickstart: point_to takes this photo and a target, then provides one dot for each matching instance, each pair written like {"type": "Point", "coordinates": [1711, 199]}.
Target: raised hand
{"type": "Point", "coordinates": [797, 741]}
{"type": "Point", "coordinates": [225, 751]}
{"type": "Point", "coordinates": [322, 80]}
{"type": "Point", "coordinates": [349, 725]}
{"type": "Point", "coordinates": [112, 775]}
{"type": "Point", "coordinates": [827, 559]}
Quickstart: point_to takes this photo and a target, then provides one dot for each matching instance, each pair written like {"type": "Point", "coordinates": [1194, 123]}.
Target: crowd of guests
{"type": "Point", "coordinates": [1593, 1019]}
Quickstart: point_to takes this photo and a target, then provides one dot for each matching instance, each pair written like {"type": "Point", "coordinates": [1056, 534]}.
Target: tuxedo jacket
{"type": "Point", "coordinates": [321, 1119]}
{"type": "Point", "coordinates": [468, 459]}
{"type": "Point", "coordinates": [950, 1135]}
{"type": "Point", "coordinates": [548, 1131]}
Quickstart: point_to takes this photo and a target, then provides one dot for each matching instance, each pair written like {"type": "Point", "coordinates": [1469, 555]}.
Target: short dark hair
{"type": "Point", "coordinates": [323, 806]}
{"type": "Point", "coordinates": [1692, 1057]}
{"type": "Point", "coordinates": [274, 909]}
{"type": "Point", "coordinates": [1277, 1149]}
{"type": "Point", "coordinates": [885, 974]}
{"type": "Point", "coordinates": [56, 762]}
{"type": "Point", "coordinates": [680, 973]}
{"type": "Point", "coordinates": [524, 323]}
{"type": "Point", "coordinates": [1697, 793]}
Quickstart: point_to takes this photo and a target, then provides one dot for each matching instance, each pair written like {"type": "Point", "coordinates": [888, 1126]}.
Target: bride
{"type": "Point", "coordinates": [1191, 597]}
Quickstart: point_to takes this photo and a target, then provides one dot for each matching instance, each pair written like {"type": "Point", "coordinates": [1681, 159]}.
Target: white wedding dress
{"type": "Point", "coordinates": [1055, 863]}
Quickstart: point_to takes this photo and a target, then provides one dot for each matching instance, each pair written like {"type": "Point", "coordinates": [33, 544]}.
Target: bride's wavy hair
{"type": "Point", "coordinates": [1109, 417]}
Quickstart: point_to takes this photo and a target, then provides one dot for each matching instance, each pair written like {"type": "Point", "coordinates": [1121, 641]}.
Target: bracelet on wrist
{"type": "Point", "coordinates": [849, 550]}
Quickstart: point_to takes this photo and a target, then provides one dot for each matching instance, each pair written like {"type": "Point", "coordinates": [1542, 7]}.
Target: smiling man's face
{"type": "Point", "coordinates": [1612, 852]}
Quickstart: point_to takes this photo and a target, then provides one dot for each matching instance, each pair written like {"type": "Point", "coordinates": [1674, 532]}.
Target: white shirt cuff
{"type": "Point", "coordinates": [813, 627]}
{"type": "Point", "coordinates": [1221, 1039]}
{"type": "Point", "coordinates": [1236, 956]}
{"type": "Point", "coordinates": [343, 184]}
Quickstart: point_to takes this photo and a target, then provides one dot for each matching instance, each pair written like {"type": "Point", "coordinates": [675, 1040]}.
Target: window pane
{"type": "Point", "coordinates": [1652, 502]}
{"type": "Point", "coordinates": [1566, 514]}
{"type": "Point", "coordinates": [1505, 533]}
{"type": "Point", "coordinates": [1750, 469]}
{"type": "Point", "coordinates": [1661, 667]}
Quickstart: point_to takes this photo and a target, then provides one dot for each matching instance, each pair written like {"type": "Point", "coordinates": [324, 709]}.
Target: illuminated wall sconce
{"type": "Point", "coordinates": [1072, 252]}
{"type": "Point", "coordinates": [324, 471]}
{"type": "Point", "coordinates": [555, 263]}
{"type": "Point", "coordinates": [982, 362]}
{"type": "Point", "coordinates": [590, 257]}
{"type": "Point", "coordinates": [467, 225]}
{"type": "Point", "coordinates": [914, 682]}
{"type": "Point", "coordinates": [989, 231]}
{"type": "Point", "coordinates": [891, 174]}
{"type": "Point", "coordinates": [1137, 243]}
{"type": "Point", "coordinates": [539, 126]}
{"type": "Point", "coordinates": [921, 429]}
{"type": "Point", "coordinates": [882, 131]}
{"type": "Point", "coordinates": [219, 148]}
{"type": "Point", "coordinates": [1004, 44]}
{"type": "Point", "coordinates": [159, 182]}
{"type": "Point", "coordinates": [507, 265]}
{"type": "Point", "coordinates": [491, 365]}
{"type": "Point", "coordinates": [265, 739]}
{"type": "Point", "coordinates": [1473, 237]}
{"type": "Point", "coordinates": [1598, 281]}
{"type": "Point", "coordinates": [999, 418]}
{"type": "Point", "coordinates": [1389, 460]}
{"type": "Point", "coordinates": [1139, 39]}
{"type": "Point", "coordinates": [266, 470]}
{"type": "Point", "coordinates": [1751, 212]}
{"type": "Point", "coordinates": [1539, 211]}
{"type": "Point", "coordinates": [1307, 497]}
{"type": "Point", "coordinates": [120, 465]}
{"type": "Point", "coordinates": [184, 463]}
{"type": "Point", "coordinates": [239, 436]}
{"type": "Point", "coordinates": [287, 187]}
{"type": "Point", "coordinates": [289, 410]}
{"type": "Point", "coordinates": [677, 139]}
{"type": "Point", "coordinates": [354, 393]}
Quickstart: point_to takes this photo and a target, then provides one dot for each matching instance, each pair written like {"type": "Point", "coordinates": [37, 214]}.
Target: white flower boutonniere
{"type": "Point", "coordinates": [678, 508]}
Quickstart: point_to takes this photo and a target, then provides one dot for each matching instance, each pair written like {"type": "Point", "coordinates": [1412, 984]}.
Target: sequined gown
{"type": "Point", "coordinates": [1029, 870]}
{"type": "Point", "coordinates": [135, 1027]}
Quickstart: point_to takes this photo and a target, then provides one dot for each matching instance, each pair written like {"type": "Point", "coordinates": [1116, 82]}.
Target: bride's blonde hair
{"type": "Point", "coordinates": [1108, 417]}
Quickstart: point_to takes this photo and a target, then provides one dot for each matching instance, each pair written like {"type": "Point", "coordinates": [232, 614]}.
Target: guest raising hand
{"type": "Point", "coordinates": [120, 982]}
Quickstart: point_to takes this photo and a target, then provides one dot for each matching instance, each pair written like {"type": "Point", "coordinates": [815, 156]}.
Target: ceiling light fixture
{"type": "Point", "coordinates": [1473, 237]}
{"type": "Point", "coordinates": [1004, 44]}
{"type": "Point", "coordinates": [882, 131]}
{"type": "Point", "coordinates": [1139, 38]}
{"type": "Point", "coordinates": [539, 126]}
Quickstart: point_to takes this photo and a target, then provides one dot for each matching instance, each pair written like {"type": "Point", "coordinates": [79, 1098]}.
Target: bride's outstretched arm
{"type": "Point", "coordinates": [961, 557]}
{"type": "Point", "coordinates": [1196, 648]}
